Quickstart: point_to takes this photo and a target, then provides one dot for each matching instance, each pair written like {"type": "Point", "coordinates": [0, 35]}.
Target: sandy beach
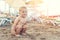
{"type": "Point", "coordinates": [35, 31]}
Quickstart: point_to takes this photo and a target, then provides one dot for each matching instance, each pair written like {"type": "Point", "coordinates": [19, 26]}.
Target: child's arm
{"type": "Point", "coordinates": [14, 25]}
{"type": "Point", "coordinates": [15, 22]}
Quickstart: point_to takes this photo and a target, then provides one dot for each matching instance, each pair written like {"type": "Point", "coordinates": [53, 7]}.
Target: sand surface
{"type": "Point", "coordinates": [34, 32]}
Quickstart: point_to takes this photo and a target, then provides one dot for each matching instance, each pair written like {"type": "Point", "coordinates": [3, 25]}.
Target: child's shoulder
{"type": "Point", "coordinates": [17, 18]}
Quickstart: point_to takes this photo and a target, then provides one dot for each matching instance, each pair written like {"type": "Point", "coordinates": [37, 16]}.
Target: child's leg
{"type": "Point", "coordinates": [18, 30]}
{"type": "Point", "coordinates": [13, 32]}
{"type": "Point", "coordinates": [24, 29]}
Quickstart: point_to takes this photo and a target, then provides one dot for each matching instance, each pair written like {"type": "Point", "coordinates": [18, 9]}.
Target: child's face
{"type": "Point", "coordinates": [23, 12]}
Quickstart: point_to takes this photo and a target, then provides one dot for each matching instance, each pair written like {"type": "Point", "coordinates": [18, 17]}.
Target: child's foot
{"type": "Point", "coordinates": [18, 35]}
{"type": "Point", "coordinates": [24, 34]}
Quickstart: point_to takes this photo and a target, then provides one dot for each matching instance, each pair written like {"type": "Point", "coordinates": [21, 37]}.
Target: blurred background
{"type": "Point", "coordinates": [9, 9]}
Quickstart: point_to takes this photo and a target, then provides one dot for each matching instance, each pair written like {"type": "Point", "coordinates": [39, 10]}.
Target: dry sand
{"type": "Point", "coordinates": [34, 32]}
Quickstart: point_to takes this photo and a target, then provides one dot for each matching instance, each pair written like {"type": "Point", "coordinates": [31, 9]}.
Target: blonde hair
{"type": "Point", "coordinates": [22, 8]}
